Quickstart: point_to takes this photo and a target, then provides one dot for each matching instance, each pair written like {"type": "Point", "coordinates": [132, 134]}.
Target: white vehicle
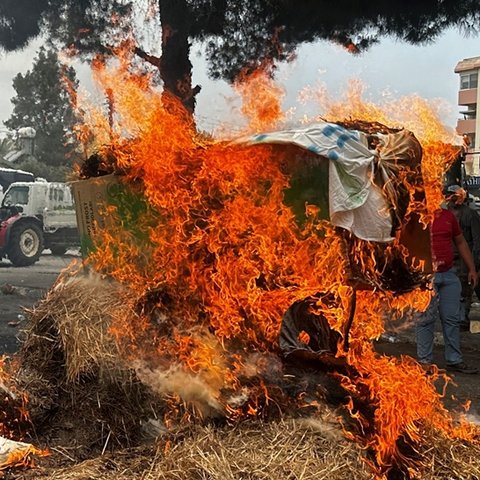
{"type": "Point", "coordinates": [34, 216]}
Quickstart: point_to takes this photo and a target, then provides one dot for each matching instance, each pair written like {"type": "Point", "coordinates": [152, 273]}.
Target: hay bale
{"type": "Point", "coordinates": [69, 328]}
{"type": "Point", "coordinates": [82, 392]}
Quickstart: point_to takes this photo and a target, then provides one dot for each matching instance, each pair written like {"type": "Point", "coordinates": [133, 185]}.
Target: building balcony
{"type": "Point", "coordinates": [467, 97]}
{"type": "Point", "coordinates": [466, 126]}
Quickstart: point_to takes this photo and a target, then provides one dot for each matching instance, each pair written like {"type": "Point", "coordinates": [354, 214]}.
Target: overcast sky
{"type": "Point", "coordinates": [396, 67]}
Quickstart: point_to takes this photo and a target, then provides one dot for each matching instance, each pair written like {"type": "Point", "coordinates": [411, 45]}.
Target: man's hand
{"type": "Point", "coordinates": [467, 257]}
{"type": "Point", "coordinates": [473, 278]}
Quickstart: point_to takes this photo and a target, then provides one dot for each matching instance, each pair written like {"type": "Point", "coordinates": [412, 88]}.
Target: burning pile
{"type": "Point", "coordinates": [210, 244]}
{"type": "Point", "coordinates": [85, 399]}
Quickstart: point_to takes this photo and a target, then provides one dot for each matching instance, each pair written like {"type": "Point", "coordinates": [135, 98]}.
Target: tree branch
{"type": "Point", "coordinates": [152, 59]}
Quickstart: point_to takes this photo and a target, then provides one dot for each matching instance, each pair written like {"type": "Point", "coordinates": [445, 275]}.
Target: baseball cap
{"type": "Point", "coordinates": [454, 188]}
{"type": "Point", "coordinates": [450, 189]}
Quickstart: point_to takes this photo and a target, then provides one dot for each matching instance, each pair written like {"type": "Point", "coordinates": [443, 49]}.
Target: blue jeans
{"type": "Point", "coordinates": [446, 302]}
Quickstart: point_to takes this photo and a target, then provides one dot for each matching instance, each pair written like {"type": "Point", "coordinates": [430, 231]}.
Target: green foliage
{"type": "Point", "coordinates": [6, 146]}
{"type": "Point", "coordinates": [20, 22]}
{"type": "Point", "coordinates": [40, 169]}
{"type": "Point", "coordinates": [88, 26]}
{"type": "Point", "coordinates": [238, 35]}
{"type": "Point", "coordinates": [243, 34]}
{"type": "Point", "coordinates": [42, 101]}
{"type": "Point", "coordinates": [256, 31]}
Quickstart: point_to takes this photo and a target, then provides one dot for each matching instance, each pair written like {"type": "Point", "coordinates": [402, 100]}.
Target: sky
{"type": "Point", "coordinates": [390, 66]}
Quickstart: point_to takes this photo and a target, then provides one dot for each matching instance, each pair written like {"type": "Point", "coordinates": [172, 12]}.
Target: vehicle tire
{"type": "Point", "coordinates": [58, 250]}
{"type": "Point", "coordinates": [26, 244]}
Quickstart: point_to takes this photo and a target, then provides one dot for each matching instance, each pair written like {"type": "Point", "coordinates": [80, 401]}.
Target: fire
{"type": "Point", "coordinates": [22, 456]}
{"type": "Point", "coordinates": [214, 258]}
{"type": "Point", "coordinates": [261, 99]}
{"type": "Point", "coordinates": [14, 423]}
{"type": "Point", "coordinates": [412, 113]}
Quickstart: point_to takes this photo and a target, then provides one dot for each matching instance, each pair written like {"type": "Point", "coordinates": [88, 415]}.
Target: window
{"type": "Point", "coordinates": [468, 80]}
{"type": "Point", "coordinates": [470, 113]}
{"type": "Point", "coordinates": [16, 196]}
{"type": "Point", "coordinates": [56, 196]}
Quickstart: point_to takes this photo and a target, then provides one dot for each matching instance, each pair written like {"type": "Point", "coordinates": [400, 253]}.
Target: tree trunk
{"type": "Point", "coordinates": [175, 65]}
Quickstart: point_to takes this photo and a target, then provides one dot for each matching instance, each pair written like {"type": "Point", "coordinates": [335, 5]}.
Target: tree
{"type": "Point", "coordinates": [238, 35]}
{"type": "Point", "coordinates": [259, 30]}
{"type": "Point", "coordinates": [6, 146]}
{"type": "Point", "coordinates": [42, 101]}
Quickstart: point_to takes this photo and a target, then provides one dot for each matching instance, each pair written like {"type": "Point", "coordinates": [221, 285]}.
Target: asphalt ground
{"type": "Point", "coordinates": [463, 387]}
{"type": "Point", "coordinates": [21, 288]}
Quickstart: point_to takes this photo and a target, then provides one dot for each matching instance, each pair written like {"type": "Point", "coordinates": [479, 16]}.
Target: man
{"type": "Point", "coordinates": [445, 232]}
{"type": "Point", "coordinates": [469, 222]}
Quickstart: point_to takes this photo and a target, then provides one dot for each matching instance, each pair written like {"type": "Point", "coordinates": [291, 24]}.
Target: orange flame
{"type": "Point", "coordinates": [14, 422]}
{"type": "Point", "coordinates": [23, 457]}
{"type": "Point", "coordinates": [261, 99]}
{"type": "Point", "coordinates": [214, 257]}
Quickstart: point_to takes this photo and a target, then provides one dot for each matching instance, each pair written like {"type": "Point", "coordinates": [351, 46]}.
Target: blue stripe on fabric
{"type": "Point", "coordinates": [260, 137]}
{"type": "Point", "coordinates": [332, 155]}
{"type": "Point", "coordinates": [314, 149]}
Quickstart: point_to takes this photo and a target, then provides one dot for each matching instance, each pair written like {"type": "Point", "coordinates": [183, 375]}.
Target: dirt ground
{"type": "Point", "coordinates": [21, 288]}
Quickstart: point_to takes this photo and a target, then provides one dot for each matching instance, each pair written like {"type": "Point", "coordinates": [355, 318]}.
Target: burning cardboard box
{"type": "Point", "coordinates": [357, 179]}
{"type": "Point", "coordinates": [92, 197]}
{"type": "Point", "coordinates": [96, 198]}
{"type": "Point", "coordinates": [364, 179]}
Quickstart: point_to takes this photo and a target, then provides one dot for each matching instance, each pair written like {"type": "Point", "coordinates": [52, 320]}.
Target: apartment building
{"type": "Point", "coordinates": [469, 123]}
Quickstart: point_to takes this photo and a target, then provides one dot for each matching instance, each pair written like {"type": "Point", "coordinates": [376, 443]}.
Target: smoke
{"type": "Point", "coordinates": [70, 277]}
{"type": "Point", "coordinates": [472, 415]}
{"type": "Point", "coordinates": [328, 427]}
{"type": "Point", "coordinates": [191, 388]}
{"type": "Point", "coordinates": [203, 391]}
{"type": "Point", "coordinates": [265, 365]}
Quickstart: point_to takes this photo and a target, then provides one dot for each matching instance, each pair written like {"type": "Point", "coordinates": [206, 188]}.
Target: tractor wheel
{"type": "Point", "coordinates": [26, 244]}
{"type": "Point", "coordinates": [58, 250]}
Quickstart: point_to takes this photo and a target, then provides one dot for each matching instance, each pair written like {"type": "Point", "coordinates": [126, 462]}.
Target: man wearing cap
{"type": "Point", "coordinates": [469, 222]}
{"type": "Point", "coordinates": [445, 233]}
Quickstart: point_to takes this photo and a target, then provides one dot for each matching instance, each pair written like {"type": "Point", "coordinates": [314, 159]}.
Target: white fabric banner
{"type": "Point", "coordinates": [355, 202]}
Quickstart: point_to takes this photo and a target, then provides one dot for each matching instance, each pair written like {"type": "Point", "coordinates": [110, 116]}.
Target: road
{"type": "Point", "coordinates": [22, 287]}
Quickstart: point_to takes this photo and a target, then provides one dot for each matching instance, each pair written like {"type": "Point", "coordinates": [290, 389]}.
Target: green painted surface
{"type": "Point", "coordinates": [309, 185]}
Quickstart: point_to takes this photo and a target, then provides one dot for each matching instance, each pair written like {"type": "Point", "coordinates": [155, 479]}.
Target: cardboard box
{"type": "Point", "coordinates": [133, 214]}
{"type": "Point", "coordinates": [91, 198]}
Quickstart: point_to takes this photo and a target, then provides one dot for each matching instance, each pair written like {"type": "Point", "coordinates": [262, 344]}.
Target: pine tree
{"type": "Point", "coordinates": [239, 35]}
{"type": "Point", "coordinates": [6, 146]}
{"type": "Point", "coordinates": [42, 101]}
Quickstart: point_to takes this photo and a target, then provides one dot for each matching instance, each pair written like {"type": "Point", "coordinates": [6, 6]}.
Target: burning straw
{"type": "Point", "coordinates": [92, 406]}
{"type": "Point", "coordinates": [74, 319]}
{"type": "Point", "coordinates": [305, 449]}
